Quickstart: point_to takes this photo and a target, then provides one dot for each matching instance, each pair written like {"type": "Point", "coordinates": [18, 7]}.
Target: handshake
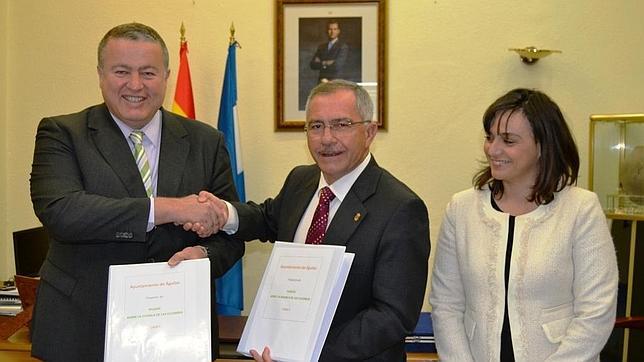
{"type": "Point", "coordinates": [205, 214]}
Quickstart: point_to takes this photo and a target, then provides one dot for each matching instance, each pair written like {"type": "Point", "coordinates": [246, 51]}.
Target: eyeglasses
{"type": "Point", "coordinates": [336, 126]}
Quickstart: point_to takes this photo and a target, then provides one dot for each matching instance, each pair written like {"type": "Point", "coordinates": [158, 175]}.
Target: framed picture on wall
{"type": "Point", "coordinates": [321, 40]}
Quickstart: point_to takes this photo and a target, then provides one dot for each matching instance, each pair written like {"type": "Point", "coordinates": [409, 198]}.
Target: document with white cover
{"type": "Point", "coordinates": [296, 301]}
{"type": "Point", "coordinates": [158, 313]}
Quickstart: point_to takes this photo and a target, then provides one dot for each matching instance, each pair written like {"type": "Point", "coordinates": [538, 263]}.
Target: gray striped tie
{"type": "Point", "coordinates": [142, 160]}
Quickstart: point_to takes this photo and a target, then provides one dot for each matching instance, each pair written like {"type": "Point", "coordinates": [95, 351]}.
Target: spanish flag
{"type": "Point", "coordinates": [183, 102]}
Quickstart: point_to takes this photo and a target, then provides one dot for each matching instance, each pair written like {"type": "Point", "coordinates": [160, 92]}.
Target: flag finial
{"type": "Point", "coordinates": [232, 33]}
{"type": "Point", "coordinates": [182, 31]}
{"type": "Point", "coordinates": [232, 36]}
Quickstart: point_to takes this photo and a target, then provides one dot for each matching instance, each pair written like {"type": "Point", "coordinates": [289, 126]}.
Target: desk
{"type": "Point", "coordinates": [231, 328]}
{"type": "Point", "coordinates": [18, 347]}
{"type": "Point", "coordinates": [422, 357]}
{"type": "Point", "coordinates": [230, 331]}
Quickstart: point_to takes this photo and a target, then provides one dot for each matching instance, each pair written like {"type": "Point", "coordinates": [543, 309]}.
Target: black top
{"type": "Point", "coordinates": [507, 352]}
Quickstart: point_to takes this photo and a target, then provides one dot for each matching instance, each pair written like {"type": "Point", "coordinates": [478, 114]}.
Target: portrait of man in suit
{"type": "Point", "coordinates": [346, 198]}
{"type": "Point", "coordinates": [113, 184]}
{"type": "Point", "coordinates": [329, 48]}
{"type": "Point", "coordinates": [330, 57]}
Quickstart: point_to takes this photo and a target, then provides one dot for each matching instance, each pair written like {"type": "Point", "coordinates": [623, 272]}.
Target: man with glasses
{"type": "Point", "coordinates": [377, 217]}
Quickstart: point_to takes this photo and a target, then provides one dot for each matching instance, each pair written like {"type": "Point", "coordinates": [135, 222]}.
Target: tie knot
{"type": "Point", "coordinates": [326, 195]}
{"type": "Point", "coordinates": [137, 137]}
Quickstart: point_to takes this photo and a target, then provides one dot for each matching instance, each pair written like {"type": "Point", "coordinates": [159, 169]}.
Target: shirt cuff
{"type": "Point", "coordinates": [232, 224]}
{"type": "Point", "coordinates": [151, 216]}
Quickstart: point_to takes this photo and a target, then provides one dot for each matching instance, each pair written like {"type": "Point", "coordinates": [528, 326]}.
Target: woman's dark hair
{"type": "Point", "coordinates": [559, 159]}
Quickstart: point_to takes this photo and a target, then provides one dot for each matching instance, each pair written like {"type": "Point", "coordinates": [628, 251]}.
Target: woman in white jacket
{"type": "Point", "coordinates": [525, 267]}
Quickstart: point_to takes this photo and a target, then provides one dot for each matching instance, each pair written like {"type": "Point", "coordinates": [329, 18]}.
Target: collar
{"type": "Point", "coordinates": [152, 130]}
{"type": "Point", "coordinates": [342, 186]}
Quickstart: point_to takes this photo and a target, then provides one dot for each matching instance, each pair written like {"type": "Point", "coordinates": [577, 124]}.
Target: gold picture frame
{"type": "Point", "coordinates": [302, 29]}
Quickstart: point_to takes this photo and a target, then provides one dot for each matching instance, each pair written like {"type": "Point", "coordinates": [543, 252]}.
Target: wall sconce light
{"type": "Point", "coordinates": [530, 55]}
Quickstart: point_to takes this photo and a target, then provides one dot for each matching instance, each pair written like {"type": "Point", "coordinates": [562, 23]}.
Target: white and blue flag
{"type": "Point", "coordinates": [230, 291]}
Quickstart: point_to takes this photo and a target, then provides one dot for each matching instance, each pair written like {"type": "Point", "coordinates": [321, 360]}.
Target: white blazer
{"type": "Point", "coordinates": [562, 286]}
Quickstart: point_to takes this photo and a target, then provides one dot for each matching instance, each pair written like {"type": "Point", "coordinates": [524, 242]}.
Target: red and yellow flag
{"type": "Point", "coordinates": [183, 102]}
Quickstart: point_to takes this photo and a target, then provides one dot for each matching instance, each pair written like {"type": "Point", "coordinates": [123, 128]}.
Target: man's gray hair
{"type": "Point", "coordinates": [364, 105]}
{"type": "Point", "coordinates": [133, 31]}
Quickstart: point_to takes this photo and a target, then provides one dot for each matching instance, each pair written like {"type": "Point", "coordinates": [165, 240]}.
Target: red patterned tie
{"type": "Point", "coordinates": [320, 217]}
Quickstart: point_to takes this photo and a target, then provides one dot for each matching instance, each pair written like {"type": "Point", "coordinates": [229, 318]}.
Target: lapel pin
{"type": "Point", "coordinates": [357, 216]}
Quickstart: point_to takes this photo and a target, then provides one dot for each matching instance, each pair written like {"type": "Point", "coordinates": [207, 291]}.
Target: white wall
{"type": "Point", "coordinates": [447, 61]}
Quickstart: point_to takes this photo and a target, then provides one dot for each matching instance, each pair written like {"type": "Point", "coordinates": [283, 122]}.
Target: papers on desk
{"type": "Point", "coordinates": [422, 338]}
{"type": "Point", "coordinates": [10, 304]}
{"type": "Point", "coordinates": [9, 309]}
{"type": "Point", "coordinates": [11, 292]}
{"type": "Point", "coordinates": [158, 313]}
{"type": "Point", "coordinates": [296, 301]}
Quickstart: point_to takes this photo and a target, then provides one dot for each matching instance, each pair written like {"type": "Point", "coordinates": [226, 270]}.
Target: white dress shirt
{"type": "Point", "coordinates": [151, 145]}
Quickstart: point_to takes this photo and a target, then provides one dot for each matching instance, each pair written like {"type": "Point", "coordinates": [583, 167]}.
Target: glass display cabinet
{"type": "Point", "coordinates": [617, 163]}
{"type": "Point", "coordinates": [616, 175]}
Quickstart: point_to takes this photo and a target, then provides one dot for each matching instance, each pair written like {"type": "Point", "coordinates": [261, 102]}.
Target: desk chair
{"type": "Point", "coordinates": [27, 287]}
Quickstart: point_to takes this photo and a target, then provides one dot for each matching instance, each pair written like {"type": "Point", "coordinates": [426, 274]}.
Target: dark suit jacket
{"type": "Point", "coordinates": [386, 225]}
{"type": "Point", "coordinates": [86, 189]}
{"type": "Point", "coordinates": [339, 53]}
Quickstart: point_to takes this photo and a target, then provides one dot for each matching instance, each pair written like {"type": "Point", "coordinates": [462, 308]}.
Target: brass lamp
{"type": "Point", "coordinates": [530, 55]}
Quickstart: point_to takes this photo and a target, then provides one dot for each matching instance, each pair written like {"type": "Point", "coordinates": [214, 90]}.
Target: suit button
{"type": "Point", "coordinates": [151, 260]}
{"type": "Point", "coordinates": [123, 235]}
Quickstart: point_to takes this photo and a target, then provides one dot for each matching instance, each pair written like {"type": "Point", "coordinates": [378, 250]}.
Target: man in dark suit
{"type": "Point", "coordinates": [103, 207]}
{"type": "Point", "coordinates": [330, 56]}
{"type": "Point", "coordinates": [377, 217]}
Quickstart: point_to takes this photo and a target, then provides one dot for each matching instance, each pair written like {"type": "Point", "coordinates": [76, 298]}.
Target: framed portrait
{"type": "Point", "coordinates": [321, 40]}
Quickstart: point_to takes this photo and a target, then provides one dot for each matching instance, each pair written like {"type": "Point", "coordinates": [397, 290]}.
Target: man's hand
{"type": "Point", "coordinates": [265, 357]}
{"type": "Point", "coordinates": [220, 210]}
{"type": "Point", "coordinates": [220, 206]}
{"type": "Point", "coordinates": [188, 209]}
{"type": "Point", "coordinates": [190, 252]}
